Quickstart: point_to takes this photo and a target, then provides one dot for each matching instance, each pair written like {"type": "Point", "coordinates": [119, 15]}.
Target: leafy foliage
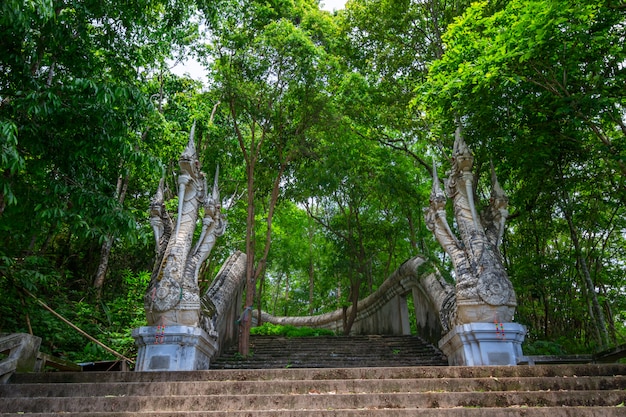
{"type": "Point", "coordinates": [527, 81]}
{"type": "Point", "coordinates": [269, 329]}
{"type": "Point", "coordinates": [327, 124]}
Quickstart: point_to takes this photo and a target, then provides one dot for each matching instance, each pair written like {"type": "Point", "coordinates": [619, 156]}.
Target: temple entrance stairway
{"type": "Point", "coordinates": [530, 391]}
{"type": "Point", "coordinates": [337, 387]}
{"type": "Point", "coordinates": [333, 352]}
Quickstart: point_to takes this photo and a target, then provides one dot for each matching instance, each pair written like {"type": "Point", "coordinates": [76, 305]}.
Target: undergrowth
{"type": "Point", "coordinates": [269, 329]}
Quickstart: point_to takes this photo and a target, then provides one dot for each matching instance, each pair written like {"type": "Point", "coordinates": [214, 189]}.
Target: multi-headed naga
{"type": "Point", "coordinates": [484, 292]}
{"type": "Point", "coordinates": [173, 296]}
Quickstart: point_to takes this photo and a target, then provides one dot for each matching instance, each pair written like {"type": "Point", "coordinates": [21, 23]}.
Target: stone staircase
{"type": "Point", "coordinates": [332, 352]}
{"type": "Point", "coordinates": [441, 391]}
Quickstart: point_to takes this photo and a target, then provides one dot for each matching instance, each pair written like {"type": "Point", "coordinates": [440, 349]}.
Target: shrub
{"type": "Point", "coordinates": [270, 329]}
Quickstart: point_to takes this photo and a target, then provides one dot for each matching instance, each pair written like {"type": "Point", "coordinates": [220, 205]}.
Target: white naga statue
{"type": "Point", "coordinates": [173, 296]}
{"type": "Point", "coordinates": [484, 292]}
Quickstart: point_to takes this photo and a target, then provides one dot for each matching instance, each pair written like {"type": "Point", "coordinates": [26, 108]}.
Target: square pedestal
{"type": "Point", "coordinates": [173, 348]}
{"type": "Point", "coordinates": [478, 344]}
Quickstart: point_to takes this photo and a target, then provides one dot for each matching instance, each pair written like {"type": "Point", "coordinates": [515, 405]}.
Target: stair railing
{"type": "Point", "coordinates": [19, 351]}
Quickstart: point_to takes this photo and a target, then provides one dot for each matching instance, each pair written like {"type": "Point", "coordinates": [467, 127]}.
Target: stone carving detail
{"type": "Point", "coordinates": [173, 295]}
{"type": "Point", "coordinates": [447, 312]}
{"type": "Point", "coordinates": [483, 290]}
{"type": "Point", "coordinates": [433, 300]}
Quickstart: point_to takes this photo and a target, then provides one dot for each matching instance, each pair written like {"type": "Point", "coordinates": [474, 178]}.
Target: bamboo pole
{"type": "Point", "coordinates": [73, 326]}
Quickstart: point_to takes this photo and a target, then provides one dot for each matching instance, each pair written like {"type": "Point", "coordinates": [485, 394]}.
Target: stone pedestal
{"type": "Point", "coordinates": [477, 344]}
{"type": "Point", "coordinates": [173, 348]}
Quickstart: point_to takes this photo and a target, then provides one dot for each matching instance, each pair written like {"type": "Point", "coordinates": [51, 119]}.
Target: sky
{"type": "Point", "coordinates": [331, 5]}
{"type": "Point", "coordinates": [197, 72]}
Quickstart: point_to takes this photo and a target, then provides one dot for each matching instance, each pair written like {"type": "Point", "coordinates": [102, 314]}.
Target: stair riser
{"type": "Point", "coordinates": [307, 387]}
{"type": "Point", "coordinates": [328, 352]}
{"type": "Point", "coordinates": [318, 402]}
{"type": "Point", "coordinates": [564, 371]}
{"type": "Point", "coordinates": [389, 385]}
{"type": "Point", "coordinates": [455, 412]}
{"type": "Point", "coordinates": [295, 364]}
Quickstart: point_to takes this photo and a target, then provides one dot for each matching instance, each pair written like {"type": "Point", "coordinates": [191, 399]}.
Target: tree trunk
{"type": "Point", "coordinates": [287, 289]}
{"type": "Point", "coordinates": [7, 176]}
{"type": "Point", "coordinates": [311, 270]}
{"type": "Point", "coordinates": [259, 273]}
{"type": "Point", "coordinates": [600, 321]}
{"type": "Point", "coordinates": [105, 251]}
{"type": "Point", "coordinates": [246, 322]}
{"type": "Point", "coordinates": [250, 155]}
{"type": "Point", "coordinates": [276, 295]}
{"type": "Point", "coordinates": [354, 298]}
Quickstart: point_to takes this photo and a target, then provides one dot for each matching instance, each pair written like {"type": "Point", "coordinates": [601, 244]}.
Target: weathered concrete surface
{"type": "Point", "coordinates": [371, 412]}
{"type": "Point", "coordinates": [190, 348]}
{"type": "Point", "coordinates": [221, 303]}
{"type": "Point", "coordinates": [21, 353]}
{"type": "Point", "coordinates": [181, 333]}
{"type": "Point", "coordinates": [484, 292]}
{"type": "Point", "coordinates": [339, 386]}
{"type": "Point", "coordinates": [546, 391]}
{"type": "Point", "coordinates": [478, 344]}
{"type": "Point", "coordinates": [173, 295]}
{"type": "Point", "coordinates": [319, 401]}
{"type": "Point", "coordinates": [173, 348]}
{"type": "Point", "coordinates": [413, 372]}
{"type": "Point", "coordinates": [333, 352]}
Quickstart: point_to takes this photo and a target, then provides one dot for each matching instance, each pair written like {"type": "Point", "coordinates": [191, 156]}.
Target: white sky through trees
{"type": "Point", "coordinates": [195, 70]}
{"type": "Point", "coordinates": [331, 5]}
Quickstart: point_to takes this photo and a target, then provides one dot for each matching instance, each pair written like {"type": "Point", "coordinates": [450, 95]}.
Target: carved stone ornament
{"type": "Point", "coordinates": [173, 295]}
{"type": "Point", "coordinates": [484, 292]}
{"type": "Point", "coordinates": [492, 290]}
{"type": "Point", "coordinates": [166, 294]}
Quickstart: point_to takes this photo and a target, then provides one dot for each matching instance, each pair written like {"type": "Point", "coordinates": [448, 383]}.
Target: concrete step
{"type": "Point", "coordinates": [371, 412]}
{"type": "Point", "coordinates": [333, 352]}
{"type": "Point", "coordinates": [315, 401]}
{"type": "Point", "coordinates": [300, 387]}
{"type": "Point", "coordinates": [415, 372]}
{"type": "Point", "coordinates": [547, 391]}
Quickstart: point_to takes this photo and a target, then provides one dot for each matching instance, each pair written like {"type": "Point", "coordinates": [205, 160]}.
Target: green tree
{"type": "Point", "coordinates": [295, 283]}
{"type": "Point", "coordinates": [271, 71]}
{"type": "Point", "coordinates": [363, 194]}
{"type": "Point", "coordinates": [536, 86]}
{"type": "Point", "coordinates": [74, 116]}
{"type": "Point", "coordinates": [390, 44]}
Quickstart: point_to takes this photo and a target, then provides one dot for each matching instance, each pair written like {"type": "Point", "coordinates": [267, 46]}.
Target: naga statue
{"type": "Point", "coordinates": [484, 292]}
{"type": "Point", "coordinates": [173, 295]}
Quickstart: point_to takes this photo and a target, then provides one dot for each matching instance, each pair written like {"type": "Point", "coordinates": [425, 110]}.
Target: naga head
{"type": "Point", "coordinates": [498, 198]}
{"type": "Point", "coordinates": [156, 204]}
{"type": "Point", "coordinates": [462, 157]}
{"type": "Point", "coordinates": [188, 162]}
{"type": "Point", "coordinates": [212, 202]}
{"type": "Point", "coordinates": [437, 196]}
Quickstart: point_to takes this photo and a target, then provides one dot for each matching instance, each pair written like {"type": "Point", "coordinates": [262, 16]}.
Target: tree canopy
{"type": "Point", "coordinates": [325, 127]}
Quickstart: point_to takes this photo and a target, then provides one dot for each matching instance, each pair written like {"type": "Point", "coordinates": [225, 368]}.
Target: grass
{"type": "Point", "coordinates": [269, 329]}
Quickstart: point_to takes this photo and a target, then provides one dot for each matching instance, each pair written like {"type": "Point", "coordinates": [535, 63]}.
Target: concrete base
{"type": "Point", "coordinates": [173, 348]}
{"type": "Point", "coordinates": [477, 344]}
